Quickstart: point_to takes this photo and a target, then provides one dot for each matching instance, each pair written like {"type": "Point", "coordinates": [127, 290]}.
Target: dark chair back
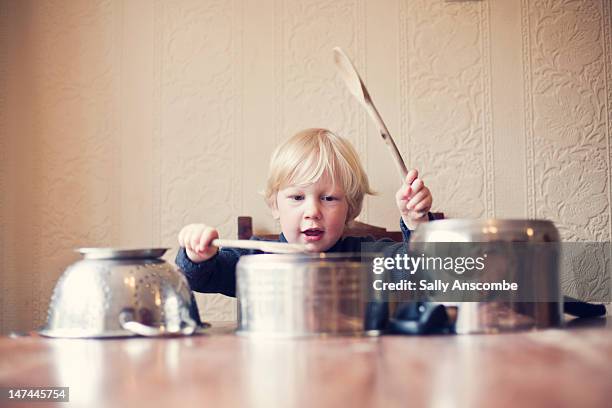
{"type": "Point", "coordinates": [355, 229]}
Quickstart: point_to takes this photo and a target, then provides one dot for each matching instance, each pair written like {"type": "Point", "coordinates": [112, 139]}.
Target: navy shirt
{"type": "Point", "coordinates": [218, 274]}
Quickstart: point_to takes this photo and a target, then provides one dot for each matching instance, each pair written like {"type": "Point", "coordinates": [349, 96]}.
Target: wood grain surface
{"type": "Point", "coordinates": [565, 367]}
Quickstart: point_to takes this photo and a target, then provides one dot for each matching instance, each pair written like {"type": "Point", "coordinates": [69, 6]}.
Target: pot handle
{"type": "Point", "coordinates": [420, 318]}
{"type": "Point", "coordinates": [578, 308]}
{"type": "Point", "coordinates": [126, 319]}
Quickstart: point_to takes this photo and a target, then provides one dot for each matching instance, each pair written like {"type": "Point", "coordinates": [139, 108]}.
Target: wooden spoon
{"type": "Point", "coordinates": [356, 86]}
{"type": "Point", "coordinates": [266, 246]}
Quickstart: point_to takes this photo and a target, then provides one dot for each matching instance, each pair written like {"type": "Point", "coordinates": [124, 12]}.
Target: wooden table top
{"type": "Point", "coordinates": [570, 367]}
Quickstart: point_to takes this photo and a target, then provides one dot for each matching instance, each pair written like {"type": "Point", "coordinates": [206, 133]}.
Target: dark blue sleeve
{"type": "Point", "coordinates": [405, 230]}
{"type": "Point", "coordinates": [216, 275]}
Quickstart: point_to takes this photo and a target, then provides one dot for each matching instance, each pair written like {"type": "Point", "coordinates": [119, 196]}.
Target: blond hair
{"type": "Point", "coordinates": [311, 153]}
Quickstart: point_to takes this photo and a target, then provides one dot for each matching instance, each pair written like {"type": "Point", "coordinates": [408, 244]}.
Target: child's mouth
{"type": "Point", "coordinates": [313, 234]}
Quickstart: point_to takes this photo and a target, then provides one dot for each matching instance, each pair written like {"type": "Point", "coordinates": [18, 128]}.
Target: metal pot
{"type": "Point", "coordinates": [538, 271]}
{"type": "Point", "coordinates": [302, 294]}
{"type": "Point", "coordinates": [120, 293]}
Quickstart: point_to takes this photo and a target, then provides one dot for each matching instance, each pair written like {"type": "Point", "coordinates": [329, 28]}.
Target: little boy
{"type": "Point", "coordinates": [315, 187]}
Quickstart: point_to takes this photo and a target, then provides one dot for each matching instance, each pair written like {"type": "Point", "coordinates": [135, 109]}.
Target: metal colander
{"type": "Point", "coordinates": [120, 293]}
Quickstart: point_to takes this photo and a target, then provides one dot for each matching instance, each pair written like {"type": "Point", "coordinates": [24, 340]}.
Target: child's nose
{"type": "Point", "coordinates": [312, 210]}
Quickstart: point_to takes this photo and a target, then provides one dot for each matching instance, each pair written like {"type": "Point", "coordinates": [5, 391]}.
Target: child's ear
{"type": "Point", "coordinates": [347, 222]}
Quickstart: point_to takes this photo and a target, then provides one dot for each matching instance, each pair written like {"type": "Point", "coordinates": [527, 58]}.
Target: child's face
{"type": "Point", "coordinates": [314, 215]}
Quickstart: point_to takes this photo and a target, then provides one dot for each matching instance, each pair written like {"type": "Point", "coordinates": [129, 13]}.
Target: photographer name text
{"type": "Point", "coordinates": [442, 286]}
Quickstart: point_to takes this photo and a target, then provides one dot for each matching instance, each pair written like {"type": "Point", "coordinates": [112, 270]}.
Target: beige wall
{"type": "Point", "coordinates": [122, 120]}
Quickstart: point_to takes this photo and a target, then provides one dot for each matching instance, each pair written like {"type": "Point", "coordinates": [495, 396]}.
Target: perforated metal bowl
{"type": "Point", "coordinates": [120, 293]}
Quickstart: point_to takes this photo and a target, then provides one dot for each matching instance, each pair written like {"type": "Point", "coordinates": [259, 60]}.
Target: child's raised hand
{"type": "Point", "coordinates": [197, 239]}
{"type": "Point", "coordinates": [413, 200]}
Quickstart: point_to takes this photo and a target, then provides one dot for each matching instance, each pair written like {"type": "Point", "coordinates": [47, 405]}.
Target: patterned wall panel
{"type": "Point", "coordinates": [445, 116]}
{"type": "Point", "coordinates": [309, 92]}
{"type": "Point", "coordinates": [567, 90]}
{"type": "Point", "coordinates": [200, 102]}
{"type": "Point", "coordinates": [69, 144]}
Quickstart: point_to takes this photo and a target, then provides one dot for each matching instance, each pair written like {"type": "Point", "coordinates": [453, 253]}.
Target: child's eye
{"type": "Point", "coordinates": [329, 198]}
{"type": "Point", "coordinates": [296, 197]}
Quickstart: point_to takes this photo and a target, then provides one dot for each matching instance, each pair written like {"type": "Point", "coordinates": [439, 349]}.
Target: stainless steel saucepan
{"type": "Point", "coordinates": [525, 251]}
{"type": "Point", "coordinates": [302, 295]}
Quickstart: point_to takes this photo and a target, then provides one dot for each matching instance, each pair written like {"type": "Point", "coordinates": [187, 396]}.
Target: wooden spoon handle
{"type": "Point", "coordinates": [266, 246]}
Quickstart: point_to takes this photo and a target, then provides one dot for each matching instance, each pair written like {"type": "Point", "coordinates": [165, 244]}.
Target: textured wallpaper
{"type": "Point", "coordinates": [123, 120]}
{"type": "Point", "coordinates": [199, 61]}
{"type": "Point", "coordinates": [445, 105]}
{"type": "Point", "coordinates": [568, 84]}
{"type": "Point", "coordinates": [568, 129]}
